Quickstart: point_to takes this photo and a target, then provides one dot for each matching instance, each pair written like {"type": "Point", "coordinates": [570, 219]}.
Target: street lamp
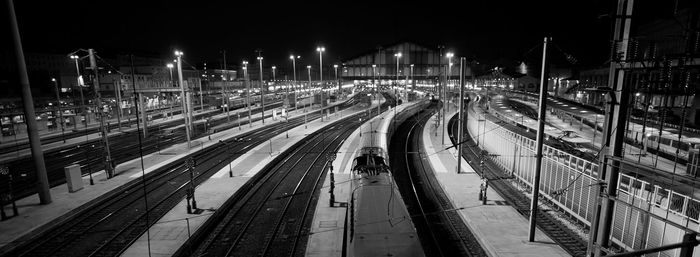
{"type": "Point", "coordinates": [178, 54]}
{"type": "Point", "coordinates": [245, 77]}
{"type": "Point", "coordinates": [413, 82]}
{"type": "Point", "coordinates": [170, 68]}
{"type": "Point", "coordinates": [449, 71]}
{"type": "Point", "coordinates": [320, 51]}
{"type": "Point", "coordinates": [58, 107]}
{"type": "Point", "coordinates": [262, 89]}
{"type": "Point", "coordinates": [308, 67]}
{"type": "Point", "coordinates": [335, 67]}
{"type": "Point", "coordinates": [82, 100]}
{"type": "Point", "coordinates": [397, 55]}
{"type": "Point", "coordinates": [294, 70]}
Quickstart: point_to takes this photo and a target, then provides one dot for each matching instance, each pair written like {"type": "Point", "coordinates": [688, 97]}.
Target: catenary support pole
{"type": "Point", "coordinates": [460, 126]}
{"type": "Point", "coordinates": [542, 112]}
{"type": "Point", "coordinates": [28, 103]}
{"type": "Point", "coordinates": [613, 138]}
{"type": "Point", "coordinates": [103, 129]}
{"type": "Point", "coordinates": [182, 97]}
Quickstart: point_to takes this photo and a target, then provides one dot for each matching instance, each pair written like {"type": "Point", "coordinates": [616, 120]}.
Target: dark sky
{"type": "Point", "coordinates": [487, 30]}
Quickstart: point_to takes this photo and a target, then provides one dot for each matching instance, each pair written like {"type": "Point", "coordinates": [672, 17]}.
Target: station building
{"type": "Point", "coordinates": [419, 66]}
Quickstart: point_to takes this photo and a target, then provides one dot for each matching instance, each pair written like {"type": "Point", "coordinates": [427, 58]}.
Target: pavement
{"type": "Point", "coordinates": [499, 228]}
{"type": "Point", "coordinates": [33, 216]}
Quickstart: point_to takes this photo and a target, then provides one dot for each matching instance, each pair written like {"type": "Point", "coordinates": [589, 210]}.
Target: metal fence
{"type": "Point", "coordinates": [646, 215]}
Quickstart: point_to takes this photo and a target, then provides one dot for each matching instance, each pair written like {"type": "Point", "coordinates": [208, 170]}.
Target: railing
{"type": "Point", "coordinates": [646, 215]}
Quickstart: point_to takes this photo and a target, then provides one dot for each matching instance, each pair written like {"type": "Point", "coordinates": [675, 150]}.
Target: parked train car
{"type": "Point", "coordinates": [378, 222]}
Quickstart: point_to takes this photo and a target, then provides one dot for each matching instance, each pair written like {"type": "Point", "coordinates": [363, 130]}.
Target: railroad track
{"type": "Point", "coordinates": [442, 231]}
{"type": "Point", "coordinates": [555, 229]}
{"type": "Point", "coordinates": [109, 226]}
{"type": "Point", "coordinates": [271, 214]}
{"type": "Point", "coordinates": [89, 154]}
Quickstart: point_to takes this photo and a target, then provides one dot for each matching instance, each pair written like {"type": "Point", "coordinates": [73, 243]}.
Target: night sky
{"type": "Point", "coordinates": [487, 30]}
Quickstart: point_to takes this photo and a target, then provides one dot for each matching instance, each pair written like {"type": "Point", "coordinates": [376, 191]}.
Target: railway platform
{"type": "Point", "coordinates": [498, 227]}
{"type": "Point", "coordinates": [33, 217]}
{"type": "Point", "coordinates": [328, 227]}
{"type": "Point", "coordinates": [172, 231]}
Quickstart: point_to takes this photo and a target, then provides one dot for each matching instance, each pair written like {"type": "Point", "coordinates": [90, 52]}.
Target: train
{"type": "Point", "coordinates": [378, 222]}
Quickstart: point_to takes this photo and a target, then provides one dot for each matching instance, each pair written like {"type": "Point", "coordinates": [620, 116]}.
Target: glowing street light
{"type": "Point", "coordinates": [179, 54]}
{"type": "Point", "coordinates": [320, 51]}
{"type": "Point", "coordinates": [294, 70]}
{"type": "Point", "coordinates": [82, 100]}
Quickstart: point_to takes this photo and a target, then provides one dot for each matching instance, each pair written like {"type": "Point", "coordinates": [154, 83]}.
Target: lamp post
{"type": "Point", "coordinates": [449, 56]}
{"type": "Point", "coordinates": [335, 67]}
{"type": "Point", "coordinates": [82, 100]}
{"type": "Point", "coordinates": [413, 82]}
{"type": "Point", "coordinates": [245, 77]}
{"type": "Point", "coordinates": [262, 89]}
{"type": "Point", "coordinates": [178, 54]}
{"type": "Point", "coordinates": [58, 108]}
{"type": "Point", "coordinates": [170, 68]}
{"type": "Point", "coordinates": [397, 55]}
{"type": "Point", "coordinates": [374, 77]}
{"type": "Point", "coordinates": [273, 73]}
{"type": "Point", "coordinates": [320, 51]}
{"type": "Point", "coordinates": [294, 70]}
{"type": "Point", "coordinates": [308, 68]}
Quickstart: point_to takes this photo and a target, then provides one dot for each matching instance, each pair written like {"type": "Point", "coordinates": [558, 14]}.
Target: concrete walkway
{"type": "Point", "coordinates": [499, 228]}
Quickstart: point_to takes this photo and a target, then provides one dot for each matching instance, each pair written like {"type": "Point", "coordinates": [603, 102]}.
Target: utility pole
{"type": "Point", "coordinates": [29, 114]}
{"type": "Point", "coordinates": [460, 128]}
{"type": "Point", "coordinates": [58, 107]}
{"type": "Point", "coordinates": [118, 95]}
{"type": "Point", "coordinates": [262, 87]}
{"type": "Point", "coordinates": [105, 137]}
{"type": "Point", "coordinates": [540, 140]}
{"type": "Point", "coordinates": [183, 97]}
{"type": "Point", "coordinates": [618, 101]}
{"type": "Point", "coordinates": [441, 90]}
{"type": "Point", "coordinates": [142, 102]}
{"type": "Point", "coordinates": [224, 97]}
{"type": "Point", "coordinates": [247, 82]}
{"type": "Point", "coordinates": [82, 99]}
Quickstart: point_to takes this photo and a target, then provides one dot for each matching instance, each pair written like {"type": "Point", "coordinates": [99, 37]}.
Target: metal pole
{"type": "Point", "coordinates": [320, 75]}
{"type": "Point", "coordinates": [294, 70]}
{"type": "Point", "coordinates": [58, 106]}
{"type": "Point", "coordinates": [118, 95]}
{"type": "Point", "coordinates": [461, 114]}
{"type": "Point", "coordinates": [617, 113]}
{"type": "Point", "coordinates": [105, 137]}
{"type": "Point", "coordinates": [82, 99]}
{"type": "Point", "coordinates": [182, 97]}
{"type": "Point", "coordinates": [247, 82]}
{"type": "Point", "coordinates": [29, 114]}
{"type": "Point", "coordinates": [142, 101]}
{"type": "Point", "coordinates": [262, 88]}
{"type": "Point", "coordinates": [540, 140]}
{"type": "Point", "coordinates": [224, 96]}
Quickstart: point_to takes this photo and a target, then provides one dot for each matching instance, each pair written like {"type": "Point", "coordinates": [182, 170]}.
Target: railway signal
{"type": "Point", "coordinates": [190, 164]}
{"type": "Point", "coordinates": [331, 158]}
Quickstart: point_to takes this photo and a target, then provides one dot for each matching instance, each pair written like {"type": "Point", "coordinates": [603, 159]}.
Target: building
{"type": "Point", "coordinates": [410, 63]}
